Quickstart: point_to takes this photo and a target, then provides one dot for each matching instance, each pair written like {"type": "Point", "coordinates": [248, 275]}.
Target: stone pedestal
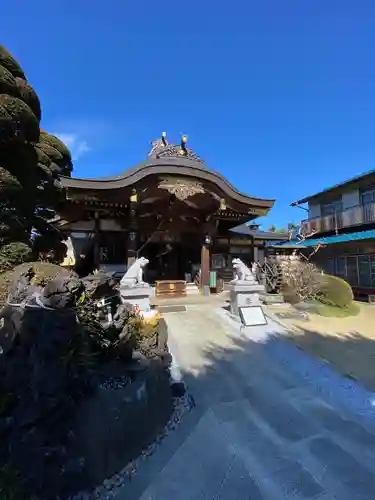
{"type": "Point", "coordinates": [244, 295]}
{"type": "Point", "coordinates": [137, 296]}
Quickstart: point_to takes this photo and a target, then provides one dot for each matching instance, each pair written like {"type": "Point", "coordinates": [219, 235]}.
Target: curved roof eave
{"type": "Point", "coordinates": [165, 166]}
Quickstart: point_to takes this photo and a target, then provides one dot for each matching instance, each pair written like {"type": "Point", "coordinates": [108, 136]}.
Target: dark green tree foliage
{"type": "Point", "coordinates": [31, 162]}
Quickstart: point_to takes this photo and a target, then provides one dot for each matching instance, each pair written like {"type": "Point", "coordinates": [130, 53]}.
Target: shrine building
{"type": "Point", "coordinates": [171, 209]}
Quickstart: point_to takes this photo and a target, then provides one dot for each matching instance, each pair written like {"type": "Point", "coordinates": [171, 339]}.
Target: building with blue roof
{"type": "Point", "coordinates": [341, 222]}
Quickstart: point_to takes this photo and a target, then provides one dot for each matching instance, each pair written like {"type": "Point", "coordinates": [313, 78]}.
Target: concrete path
{"type": "Point", "coordinates": [256, 432]}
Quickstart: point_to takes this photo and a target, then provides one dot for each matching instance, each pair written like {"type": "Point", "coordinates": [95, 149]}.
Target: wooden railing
{"type": "Point", "coordinates": [353, 216]}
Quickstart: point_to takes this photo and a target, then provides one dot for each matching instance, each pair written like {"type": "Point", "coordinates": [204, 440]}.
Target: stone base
{"type": "Point", "coordinates": [137, 296]}
{"type": "Point", "coordinates": [244, 296]}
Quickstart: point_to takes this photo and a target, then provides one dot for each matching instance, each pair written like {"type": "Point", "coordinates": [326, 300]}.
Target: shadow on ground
{"type": "Point", "coordinates": [260, 430]}
{"type": "Point", "coordinates": [352, 354]}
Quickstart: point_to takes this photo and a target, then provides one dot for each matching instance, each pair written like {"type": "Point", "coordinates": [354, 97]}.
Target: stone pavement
{"type": "Point", "coordinates": [256, 433]}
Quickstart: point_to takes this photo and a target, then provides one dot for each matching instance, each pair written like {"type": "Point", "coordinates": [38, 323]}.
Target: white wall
{"type": "Point", "coordinates": [314, 210]}
{"type": "Point", "coordinates": [350, 199]}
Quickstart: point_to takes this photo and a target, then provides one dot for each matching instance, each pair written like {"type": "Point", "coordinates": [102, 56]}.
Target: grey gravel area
{"type": "Point", "coordinates": [113, 383]}
{"type": "Point", "coordinates": [110, 486]}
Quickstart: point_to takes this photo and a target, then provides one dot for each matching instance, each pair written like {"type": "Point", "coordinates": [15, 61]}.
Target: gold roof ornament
{"type": "Point", "coordinates": [182, 189]}
{"type": "Point", "coordinates": [160, 148]}
{"type": "Point", "coordinates": [183, 150]}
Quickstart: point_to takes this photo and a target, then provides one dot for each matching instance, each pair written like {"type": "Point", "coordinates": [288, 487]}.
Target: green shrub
{"type": "Point", "coordinates": [336, 292]}
{"type": "Point", "coordinates": [13, 254]}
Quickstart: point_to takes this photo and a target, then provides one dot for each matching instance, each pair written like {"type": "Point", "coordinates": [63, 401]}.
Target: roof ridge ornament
{"type": "Point", "coordinates": [160, 148]}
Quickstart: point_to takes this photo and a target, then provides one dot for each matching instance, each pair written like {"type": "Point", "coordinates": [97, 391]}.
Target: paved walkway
{"type": "Point", "coordinates": [256, 432]}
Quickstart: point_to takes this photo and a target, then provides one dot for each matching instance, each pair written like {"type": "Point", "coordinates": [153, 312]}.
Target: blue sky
{"type": "Point", "coordinates": [277, 95]}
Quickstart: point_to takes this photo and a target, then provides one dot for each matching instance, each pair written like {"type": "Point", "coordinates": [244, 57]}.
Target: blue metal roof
{"type": "Point", "coordinates": [331, 240]}
{"type": "Point", "coordinates": [257, 233]}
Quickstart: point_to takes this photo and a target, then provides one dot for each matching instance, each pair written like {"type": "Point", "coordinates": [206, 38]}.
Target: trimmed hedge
{"type": "Point", "coordinates": [17, 121]}
{"type": "Point", "coordinates": [30, 97]}
{"type": "Point", "coordinates": [336, 292]}
{"type": "Point", "coordinates": [9, 63]}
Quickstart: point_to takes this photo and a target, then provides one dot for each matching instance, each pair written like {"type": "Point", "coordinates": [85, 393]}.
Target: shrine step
{"type": "Point", "coordinates": [192, 289]}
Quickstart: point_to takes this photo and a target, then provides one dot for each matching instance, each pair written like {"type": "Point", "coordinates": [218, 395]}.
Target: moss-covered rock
{"type": "Point", "coordinates": [44, 273]}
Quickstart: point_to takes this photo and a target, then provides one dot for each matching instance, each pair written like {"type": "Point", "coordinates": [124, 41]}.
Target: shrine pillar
{"type": "Point", "coordinates": [256, 252]}
{"type": "Point", "coordinates": [96, 251]}
{"type": "Point", "coordinates": [206, 259]}
{"type": "Point", "coordinates": [132, 242]}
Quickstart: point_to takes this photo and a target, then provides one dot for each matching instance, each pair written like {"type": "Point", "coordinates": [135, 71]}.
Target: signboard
{"type": "Point", "coordinates": [218, 261]}
{"type": "Point", "coordinates": [252, 316]}
{"type": "Point", "coordinates": [237, 250]}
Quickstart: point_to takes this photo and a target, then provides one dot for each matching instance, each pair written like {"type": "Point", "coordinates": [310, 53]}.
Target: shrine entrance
{"type": "Point", "coordinates": [172, 260]}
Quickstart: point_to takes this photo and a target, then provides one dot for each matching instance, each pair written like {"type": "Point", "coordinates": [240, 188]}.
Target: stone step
{"type": "Point", "coordinates": [192, 289]}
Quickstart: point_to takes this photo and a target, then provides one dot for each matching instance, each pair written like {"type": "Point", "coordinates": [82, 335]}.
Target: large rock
{"type": "Point", "coordinates": [114, 425]}
{"type": "Point", "coordinates": [43, 272]}
{"type": "Point", "coordinates": [65, 423]}
{"type": "Point", "coordinates": [44, 363]}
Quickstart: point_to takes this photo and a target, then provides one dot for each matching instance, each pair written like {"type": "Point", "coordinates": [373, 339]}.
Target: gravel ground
{"type": "Point", "coordinates": [114, 383]}
{"type": "Point", "coordinates": [107, 490]}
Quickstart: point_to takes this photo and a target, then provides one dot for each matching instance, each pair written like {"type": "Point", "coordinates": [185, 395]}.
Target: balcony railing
{"type": "Point", "coordinates": [353, 216]}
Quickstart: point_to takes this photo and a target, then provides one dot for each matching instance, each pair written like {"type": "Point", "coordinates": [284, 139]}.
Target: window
{"type": "Point", "coordinates": [352, 270]}
{"type": "Point", "coordinates": [364, 270]}
{"type": "Point", "coordinates": [372, 269]}
{"type": "Point", "coordinates": [357, 270]}
{"type": "Point", "coordinates": [368, 205]}
{"type": "Point", "coordinates": [329, 266]}
{"type": "Point", "coordinates": [368, 195]}
{"type": "Point", "coordinates": [341, 267]}
{"type": "Point", "coordinates": [331, 208]}
{"type": "Point", "coordinates": [331, 215]}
